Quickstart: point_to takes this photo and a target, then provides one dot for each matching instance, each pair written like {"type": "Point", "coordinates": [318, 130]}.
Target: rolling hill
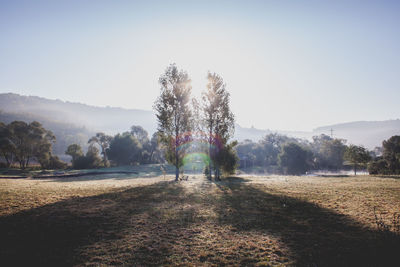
{"type": "Point", "coordinates": [75, 122]}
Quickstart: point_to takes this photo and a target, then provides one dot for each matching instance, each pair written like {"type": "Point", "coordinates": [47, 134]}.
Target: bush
{"type": "Point", "coordinates": [293, 159]}
{"type": "Point", "coordinates": [378, 166]}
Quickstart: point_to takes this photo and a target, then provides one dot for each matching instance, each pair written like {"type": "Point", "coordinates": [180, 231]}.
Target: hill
{"type": "Point", "coordinates": [367, 133]}
{"type": "Point", "coordinates": [77, 122]}
{"type": "Point", "coordinates": [107, 119]}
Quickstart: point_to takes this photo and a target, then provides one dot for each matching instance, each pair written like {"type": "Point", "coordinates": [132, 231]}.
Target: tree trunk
{"type": "Point", "coordinates": [355, 169]}
{"type": "Point", "coordinates": [176, 158]}
{"type": "Point", "coordinates": [209, 154]}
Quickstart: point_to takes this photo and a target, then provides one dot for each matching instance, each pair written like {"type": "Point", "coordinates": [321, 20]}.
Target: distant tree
{"type": "Point", "coordinates": [125, 149]}
{"type": "Point", "coordinates": [155, 151]}
{"type": "Point", "coordinates": [227, 158]}
{"type": "Point", "coordinates": [31, 141]}
{"type": "Point", "coordinates": [293, 159]}
{"type": "Point", "coordinates": [378, 166]}
{"type": "Point", "coordinates": [75, 151]}
{"type": "Point", "coordinates": [356, 155]}
{"type": "Point", "coordinates": [174, 115]}
{"type": "Point", "coordinates": [245, 150]}
{"type": "Point", "coordinates": [55, 163]}
{"type": "Point", "coordinates": [7, 148]}
{"type": "Point", "coordinates": [217, 118]}
{"type": "Point", "coordinates": [91, 160]}
{"type": "Point", "coordinates": [140, 134]}
{"type": "Point", "coordinates": [328, 152]}
{"type": "Point", "coordinates": [272, 145]}
{"type": "Point", "coordinates": [391, 154]}
{"type": "Point", "coordinates": [103, 141]}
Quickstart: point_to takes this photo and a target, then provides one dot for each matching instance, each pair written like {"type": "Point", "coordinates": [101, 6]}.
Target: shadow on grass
{"type": "Point", "coordinates": [315, 236]}
{"type": "Point", "coordinates": [55, 234]}
{"type": "Point", "coordinates": [143, 226]}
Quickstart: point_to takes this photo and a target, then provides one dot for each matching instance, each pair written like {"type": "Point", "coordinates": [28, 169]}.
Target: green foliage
{"type": "Point", "coordinates": [217, 120]}
{"type": "Point", "coordinates": [263, 154]}
{"type": "Point", "coordinates": [24, 142]}
{"type": "Point", "coordinates": [391, 154]}
{"type": "Point", "coordinates": [65, 133]}
{"type": "Point", "coordinates": [54, 163]}
{"type": "Point", "coordinates": [174, 115]}
{"type": "Point", "coordinates": [91, 160]}
{"type": "Point", "coordinates": [357, 156]}
{"type": "Point", "coordinates": [103, 141]}
{"type": "Point", "coordinates": [389, 163]}
{"type": "Point", "coordinates": [75, 151]}
{"type": "Point", "coordinates": [328, 152]}
{"type": "Point", "coordinates": [125, 149]}
{"type": "Point", "coordinates": [227, 159]}
{"type": "Point", "coordinates": [378, 166]}
{"type": "Point", "coordinates": [293, 159]}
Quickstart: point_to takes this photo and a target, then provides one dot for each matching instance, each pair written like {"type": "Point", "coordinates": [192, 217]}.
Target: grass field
{"type": "Point", "coordinates": [262, 221]}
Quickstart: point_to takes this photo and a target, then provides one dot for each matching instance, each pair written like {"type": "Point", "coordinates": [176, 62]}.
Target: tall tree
{"type": "Point", "coordinates": [103, 141]}
{"type": "Point", "coordinates": [391, 154]}
{"type": "Point", "coordinates": [293, 159]}
{"type": "Point", "coordinates": [7, 148]}
{"type": "Point", "coordinates": [356, 155]}
{"type": "Point", "coordinates": [30, 141]}
{"type": "Point", "coordinates": [140, 133]}
{"type": "Point", "coordinates": [174, 114]}
{"type": "Point", "coordinates": [217, 118]}
{"type": "Point", "coordinates": [125, 149]}
{"type": "Point", "coordinates": [75, 151]}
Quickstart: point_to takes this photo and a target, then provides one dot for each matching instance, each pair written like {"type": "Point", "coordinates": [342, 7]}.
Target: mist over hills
{"type": "Point", "coordinates": [107, 119]}
{"type": "Point", "coordinates": [75, 122]}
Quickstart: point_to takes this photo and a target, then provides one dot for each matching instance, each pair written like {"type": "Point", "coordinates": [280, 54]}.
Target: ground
{"type": "Point", "coordinates": [262, 221]}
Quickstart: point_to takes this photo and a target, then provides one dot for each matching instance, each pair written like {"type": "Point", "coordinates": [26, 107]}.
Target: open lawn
{"type": "Point", "coordinates": [263, 221]}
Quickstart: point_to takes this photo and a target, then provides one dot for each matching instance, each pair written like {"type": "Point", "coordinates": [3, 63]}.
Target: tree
{"type": "Point", "coordinates": [328, 152]}
{"type": "Point", "coordinates": [217, 118]}
{"type": "Point", "coordinates": [75, 151]}
{"type": "Point", "coordinates": [174, 115]}
{"type": "Point", "coordinates": [30, 141]}
{"type": "Point", "coordinates": [391, 154]}
{"type": "Point", "coordinates": [103, 141]}
{"type": "Point", "coordinates": [293, 159]}
{"type": "Point", "coordinates": [227, 158]}
{"type": "Point", "coordinates": [7, 148]}
{"type": "Point", "coordinates": [124, 149]}
{"type": "Point", "coordinates": [140, 134]}
{"type": "Point", "coordinates": [356, 155]}
{"type": "Point", "coordinates": [154, 149]}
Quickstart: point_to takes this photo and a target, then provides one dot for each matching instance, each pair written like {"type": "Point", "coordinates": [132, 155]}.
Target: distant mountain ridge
{"type": "Point", "coordinates": [107, 119]}
{"type": "Point", "coordinates": [112, 120]}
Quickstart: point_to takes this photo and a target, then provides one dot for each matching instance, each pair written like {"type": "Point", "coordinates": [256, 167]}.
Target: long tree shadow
{"type": "Point", "coordinates": [156, 224]}
{"type": "Point", "coordinates": [315, 236]}
{"type": "Point", "coordinates": [56, 234]}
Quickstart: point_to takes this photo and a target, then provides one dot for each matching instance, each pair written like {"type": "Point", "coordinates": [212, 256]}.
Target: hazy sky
{"type": "Point", "coordinates": [289, 65]}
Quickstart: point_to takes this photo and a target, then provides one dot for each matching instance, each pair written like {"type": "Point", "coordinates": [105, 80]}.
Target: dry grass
{"type": "Point", "coordinates": [263, 221]}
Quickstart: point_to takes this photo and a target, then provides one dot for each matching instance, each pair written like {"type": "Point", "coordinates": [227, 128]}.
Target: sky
{"type": "Point", "coordinates": [288, 65]}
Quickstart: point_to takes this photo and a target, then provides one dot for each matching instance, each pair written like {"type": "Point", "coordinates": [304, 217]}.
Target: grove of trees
{"type": "Point", "coordinates": [129, 148]}
{"type": "Point", "coordinates": [178, 115]}
{"type": "Point", "coordinates": [23, 143]}
{"type": "Point", "coordinates": [189, 126]}
{"type": "Point", "coordinates": [389, 162]}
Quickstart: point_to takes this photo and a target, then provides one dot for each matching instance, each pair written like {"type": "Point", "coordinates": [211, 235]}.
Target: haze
{"type": "Point", "coordinates": [287, 64]}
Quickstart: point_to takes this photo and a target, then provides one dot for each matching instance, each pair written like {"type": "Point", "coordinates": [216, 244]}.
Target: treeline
{"type": "Point", "coordinates": [65, 133]}
{"type": "Point", "coordinates": [129, 148]}
{"type": "Point", "coordinates": [25, 143]}
{"type": "Point", "coordinates": [389, 162]}
{"type": "Point", "coordinates": [277, 153]}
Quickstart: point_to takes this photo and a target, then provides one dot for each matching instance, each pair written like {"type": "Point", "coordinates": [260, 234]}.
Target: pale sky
{"type": "Point", "coordinates": [288, 65]}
